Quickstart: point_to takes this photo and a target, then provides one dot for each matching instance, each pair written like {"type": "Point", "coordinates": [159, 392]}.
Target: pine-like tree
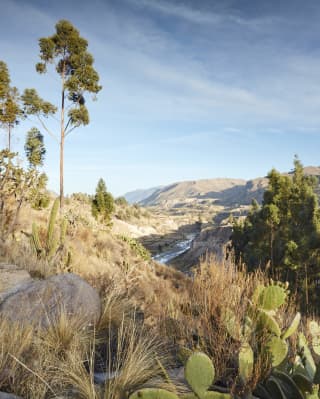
{"type": "Point", "coordinates": [102, 203]}
{"type": "Point", "coordinates": [283, 235]}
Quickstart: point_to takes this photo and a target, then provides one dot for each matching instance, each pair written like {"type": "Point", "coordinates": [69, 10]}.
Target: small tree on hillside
{"type": "Point", "coordinates": [35, 151]}
{"type": "Point", "coordinates": [17, 187]}
{"type": "Point", "coordinates": [34, 148]}
{"type": "Point", "coordinates": [102, 203]}
{"type": "Point", "coordinates": [67, 50]}
{"type": "Point", "coordinates": [10, 110]}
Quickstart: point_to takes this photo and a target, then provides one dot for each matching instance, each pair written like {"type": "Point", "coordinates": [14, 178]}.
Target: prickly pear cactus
{"type": "Point", "coordinates": [293, 326]}
{"type": "Point", "coordinates": [306, 356]}
{"type": "Point", "coordinates": [314, 329]}
{"type": "Point", "coordinates": [314, 394]}
{"type": "Point", "coordinates": [246, 359]}
{"type": "Point", "coordinates": [232, 324]}
{"type": "Point", "coordinates": [153, 393]}
{"type": "Point", "coordinates": [270, 297]}
{"type": "Point", "coordinates": [278, 349]}
{"type": "Point", "coordinates": [199, 372]}
{"type": "Point", "coordinates": [266, 321]}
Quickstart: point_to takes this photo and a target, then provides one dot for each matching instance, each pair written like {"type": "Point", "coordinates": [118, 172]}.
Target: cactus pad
{"type": "Point", "coordinates": [199, 372]}
{"type": "Point", "coordinates": [231, 324]}
{"type": "Point", "coordinates": [314, 329]}
{"type": "Point", "coordinates": [293, 326]}
{"type": "Point", "coordinates": [271, 297]}
{"type": "Point", "coordinates": [265, 321]}
{"type": "Point", "coordinates": [245, 362]}
{"type": "Point", "coordinates": [314, 394]}
{"type": "Point", "coordinates": [307, 358]}
{"type": "Point", "coordinates": [278, 349]}
{"type": "Point", "coordinates": [152, 393]}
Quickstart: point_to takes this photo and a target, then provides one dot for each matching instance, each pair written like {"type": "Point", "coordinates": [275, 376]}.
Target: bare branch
{"type": "Point", "coordinates": [47, 130]}
{"type": "Point", "coordinates": [70, 130]}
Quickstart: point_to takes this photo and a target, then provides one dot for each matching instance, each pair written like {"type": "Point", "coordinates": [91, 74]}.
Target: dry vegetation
{"type": "Point", "coordinates": [153, 318]}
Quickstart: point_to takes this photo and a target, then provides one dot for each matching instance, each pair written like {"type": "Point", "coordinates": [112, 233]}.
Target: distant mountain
{"type": "Point", "coordinates": [139, 195]}
{"type": "Point", "coordinates": [178, 193]}
{"type": "Point", "coordinates": [226, 192]}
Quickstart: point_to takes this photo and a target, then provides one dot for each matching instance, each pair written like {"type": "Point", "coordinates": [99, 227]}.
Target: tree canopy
{"type": "Point", "coordinates": [10, 110]}
{"type": "Point", "coordinates": [283, 234]}
{"type": "Point", "coordinates": [103, 202]}
{"type": "Point", "coordinates": [34, 147]}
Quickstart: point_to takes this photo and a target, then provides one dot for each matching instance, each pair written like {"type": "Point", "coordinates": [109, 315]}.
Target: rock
{"type": "Point", "coordinates": [38, 302]}
{"type": "Point", "coordinates": [4, 395]}
{"type": "Point", "coordinates": [11, 278]}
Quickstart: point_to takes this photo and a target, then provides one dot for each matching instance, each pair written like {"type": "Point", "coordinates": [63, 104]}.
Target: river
{"type": "Point", "coordinates": [178, 249]}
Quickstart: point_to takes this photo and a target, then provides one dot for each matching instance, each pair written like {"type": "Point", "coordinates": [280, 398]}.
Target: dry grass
{"type": "Point", "coordinates": [62, 359]}
{"type": "Point", "coordinates": [21, 254]}
{"type": "Point", "coordinates": [135, 362]}
{"type": "Point", "coordinates": [132, 359]}
{"type": "Point", "coordinates": [15, 340]}
{"type": "Point", "coordinates": [196, 319]}
{"type": "Point", "coordinates": [142, 301]}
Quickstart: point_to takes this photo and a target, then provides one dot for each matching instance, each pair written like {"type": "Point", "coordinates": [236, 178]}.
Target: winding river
{"type": "Point", "coordinates": [178, 249]}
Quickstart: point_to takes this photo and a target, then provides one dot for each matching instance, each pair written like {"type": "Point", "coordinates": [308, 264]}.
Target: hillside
{"type": "Point", "coordinates": [139, 195]}
{"type": "Point", "coordinates": [220, 191]}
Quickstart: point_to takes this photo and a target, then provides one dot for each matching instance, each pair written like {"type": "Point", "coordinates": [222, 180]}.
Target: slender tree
{"type": "Point", "coordinates": [67, 50]}
{"type": "Point", "coordinates": [10, 111]}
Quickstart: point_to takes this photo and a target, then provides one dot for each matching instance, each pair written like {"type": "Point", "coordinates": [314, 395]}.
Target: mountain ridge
{"type": "Point", "coordinates": [221, 191]}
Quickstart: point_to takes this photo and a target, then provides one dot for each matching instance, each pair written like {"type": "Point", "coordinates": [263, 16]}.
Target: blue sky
{"type": "Point", "coordinates": [191, 89]}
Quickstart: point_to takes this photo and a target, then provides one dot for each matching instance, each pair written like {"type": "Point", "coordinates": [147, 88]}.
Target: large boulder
{"type": "Point", "coordinates": [40, 302]}
{"type": "Point", "coordinates": [12, 277]}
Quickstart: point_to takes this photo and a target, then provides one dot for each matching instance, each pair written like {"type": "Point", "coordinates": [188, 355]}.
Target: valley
{"type": "Point", "coordinates": [191, 219]}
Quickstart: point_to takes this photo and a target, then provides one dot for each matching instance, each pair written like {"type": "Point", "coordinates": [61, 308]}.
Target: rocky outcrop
{"type": "Point", "coordinates": [39, 302]}
{"type": "Point", "coordinates": [211, 241]}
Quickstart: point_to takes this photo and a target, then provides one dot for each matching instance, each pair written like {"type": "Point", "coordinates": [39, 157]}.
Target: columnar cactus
{"type": "Point", "coordinates": [53, 243]}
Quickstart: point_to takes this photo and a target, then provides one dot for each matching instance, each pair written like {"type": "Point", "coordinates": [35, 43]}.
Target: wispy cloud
{"type": "Point", "coordinates": [207, 15]}
{"type": "Point", "coordinates": [180, 78]}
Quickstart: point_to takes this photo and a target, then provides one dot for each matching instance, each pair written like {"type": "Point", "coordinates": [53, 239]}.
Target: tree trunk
{"type": "Point", "coordinates": [271, 250]}
{"type": "Point", "coordinates": [306, 288]}
{"type": "Point", "coordinates": [9, 137]}
{"type": "Point", "coordinates": [62, 147]}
